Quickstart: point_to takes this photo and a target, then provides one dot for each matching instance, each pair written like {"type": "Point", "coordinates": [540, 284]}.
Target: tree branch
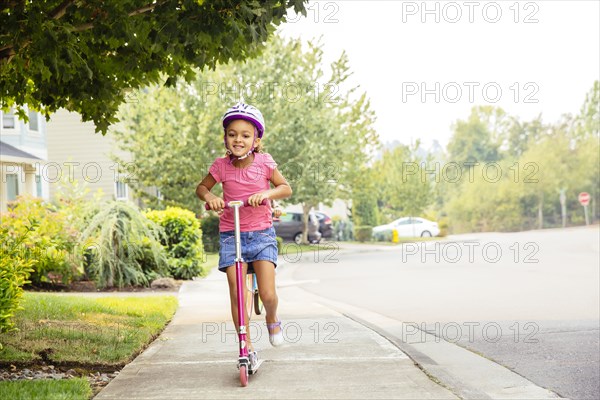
{"type": "Point", "coordinates": [133, 13]}
{"type": "Point", "coordinates": [61, 9]}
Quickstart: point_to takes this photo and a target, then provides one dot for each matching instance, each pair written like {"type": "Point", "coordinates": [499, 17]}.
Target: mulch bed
{"type": "Point", "coordinates": [98, 376]}
{"type": "Point", "coordinates": [90, 286]}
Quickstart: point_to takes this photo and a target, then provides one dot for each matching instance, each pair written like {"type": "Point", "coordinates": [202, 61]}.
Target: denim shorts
{"type": "Point", "coordinates": [256, 245]}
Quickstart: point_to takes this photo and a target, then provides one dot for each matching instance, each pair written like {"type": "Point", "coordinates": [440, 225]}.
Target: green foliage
{"type": "Point", "coordinates": [121, 238]}
{"type": "Point", "coordinates": [383, 236]}
{"type": "Point", "coordinates": [588, 120]}
{"type": "Point", "coordinates": [364, 202]}
{"type": "Point", "coordinates": [51, 244]}
{"type": "Point", "coordinates": [363, 233]}
{"type": "Point", "coordinates": [541, 160]}
{"type": "Point", "coordinates": [14, 272]}
{"type": "Point", "coordinates": [182, 240]}
{"type": "Point", "coordinates": [210, 233]}
{"type": "Point", "coordinates": [317, 135]}
{"type": "Point", "coordinates": [486, 205]}
{"type": "Point", "coordinates": [343, 229]}
{"type": "Point", "coordinates": [399, 183]}
{"type": "Point", "coordinates": [72, 200]}
{"type": "Point", "coordinates": [479, 138]}
{"type": "Point", "coordinates": [85, 56]}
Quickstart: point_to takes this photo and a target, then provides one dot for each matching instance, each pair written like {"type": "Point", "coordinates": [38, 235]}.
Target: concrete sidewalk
{"type": "Point", "coordinates": [327, 355]}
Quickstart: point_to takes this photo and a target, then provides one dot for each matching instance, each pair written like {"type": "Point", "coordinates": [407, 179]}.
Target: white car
{"type": "Point", "coordinates": [411, 227]}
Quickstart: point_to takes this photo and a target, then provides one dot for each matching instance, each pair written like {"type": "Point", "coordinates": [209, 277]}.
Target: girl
{"type": "Point", "coordinates": [245, 173]}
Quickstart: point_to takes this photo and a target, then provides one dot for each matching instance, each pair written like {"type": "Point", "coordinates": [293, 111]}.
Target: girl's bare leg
{"type": "Point", "coordinates": [265, 275]}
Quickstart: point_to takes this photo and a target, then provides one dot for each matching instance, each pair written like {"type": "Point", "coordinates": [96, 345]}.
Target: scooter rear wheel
{"type": "Point", "coordinates": [258, 304]}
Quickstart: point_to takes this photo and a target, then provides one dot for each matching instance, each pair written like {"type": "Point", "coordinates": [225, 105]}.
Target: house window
{"type": "Point", "coordinates": [34, 124]}
{"type": "Point", "coordinates": [12, 187]}
{"type": "Point", "coordinates": [121, 190]}
{"type": "Point", "coordinates": [8, 119]}
{"type": "Point", "coordinates": [38, 185]}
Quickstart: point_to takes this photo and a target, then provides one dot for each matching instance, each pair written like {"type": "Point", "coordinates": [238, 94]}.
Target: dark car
{"type": "Point", "coordinates": [325, 225]}
{"type": "Point", "coordinates": [289, 227]}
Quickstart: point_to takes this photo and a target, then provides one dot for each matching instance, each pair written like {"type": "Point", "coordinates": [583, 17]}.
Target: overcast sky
{"type": "Point", "coordinates": [537, 57]}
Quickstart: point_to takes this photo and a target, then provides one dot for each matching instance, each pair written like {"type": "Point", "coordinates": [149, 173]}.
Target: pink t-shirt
{"type": "Point", "coordinates": [241, 183]}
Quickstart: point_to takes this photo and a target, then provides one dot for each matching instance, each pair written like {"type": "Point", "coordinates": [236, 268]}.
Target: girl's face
{"type": "Point", "coordinates": [239, 137]}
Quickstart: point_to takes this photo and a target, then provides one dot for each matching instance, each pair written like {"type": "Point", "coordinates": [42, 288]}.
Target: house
{"type": "Point", "coordinates": [36, 156]}
{"type": "Point", "coordinates": [22, 156]}
{"type": "Point", "coordinates": [76, 153]}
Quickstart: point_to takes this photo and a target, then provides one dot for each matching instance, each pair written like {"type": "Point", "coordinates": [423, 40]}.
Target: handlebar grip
{"type": "Point", "coordinates": [264, 203]}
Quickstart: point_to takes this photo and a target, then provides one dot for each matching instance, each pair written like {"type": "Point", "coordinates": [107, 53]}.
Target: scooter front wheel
{"type": "Point", "coordinates": [243, 375]}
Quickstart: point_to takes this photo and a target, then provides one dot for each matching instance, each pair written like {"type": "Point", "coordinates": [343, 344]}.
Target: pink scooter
{"type": "Point", "coordinates": [243, 360]}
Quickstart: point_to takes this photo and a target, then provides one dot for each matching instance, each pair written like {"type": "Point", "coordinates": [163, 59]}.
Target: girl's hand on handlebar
{"type": "Point", "coordinates": [256, 199]}
{"type": "Point", "coordinates": [217, 204]}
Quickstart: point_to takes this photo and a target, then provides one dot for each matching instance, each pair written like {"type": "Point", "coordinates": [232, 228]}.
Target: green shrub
{"type": "Point", "coordinates": [14, 272]}
{"type": "Point", "coordinates": [363, 233]}
{"type": "Point", "coordinates": [210, 233]}
{"type": "Point", "coordinates": [121, 240]}
{"type": "Point", "coordinates": [51, 243]}
{"type": "Point", "coordinates": [343, 229]}
{"type": "Point", "coordinates": [182, 240]}
{"type": "Point", "coordinates": [383, 236]}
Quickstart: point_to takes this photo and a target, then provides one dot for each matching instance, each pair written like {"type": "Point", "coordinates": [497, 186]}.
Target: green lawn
{"type": "Point", "coordinates": [105, 330]}
{"type": "Point", "coordinates": [47, 389]}
{"type": "Point", "coordinates": [211, 260]}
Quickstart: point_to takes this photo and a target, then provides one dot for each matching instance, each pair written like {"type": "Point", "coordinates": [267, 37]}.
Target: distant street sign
{"type": "Point", "coordinates": [584, 198]}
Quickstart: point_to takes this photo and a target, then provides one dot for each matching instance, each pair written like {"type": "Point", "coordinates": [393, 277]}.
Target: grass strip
{"type": "Point", "coordinates": [81, 330]}
{"type": "Point", "coordinates": [48, 389]}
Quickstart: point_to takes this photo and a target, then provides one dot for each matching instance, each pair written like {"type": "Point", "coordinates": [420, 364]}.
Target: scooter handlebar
{"type": "Point", "coordinates": [264, 203]}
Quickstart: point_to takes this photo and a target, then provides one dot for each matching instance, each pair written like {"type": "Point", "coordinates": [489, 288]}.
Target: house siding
{"type": "Point", "coordinates": [77, 152]}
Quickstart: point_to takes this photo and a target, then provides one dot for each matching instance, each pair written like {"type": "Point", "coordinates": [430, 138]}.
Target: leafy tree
{"type": "Point", "coordinates": [173, 138]}
{"type": "Point", "coordinates": [487, 203]}
{"type": "Point", "coordinates": [520, 135]}
{"type": "Point", "coordinates": [84, 55]}
{"type": "Point", "coordinates": [364, 198]}
{"type": "Point", "coordinates": [405, 189]}
{"type": "Point", "coordinates": [317, 131]}
{"type": "Point", "coordinates": [588, 120]}
{"type": "Point", "coordinates": [479, 138]}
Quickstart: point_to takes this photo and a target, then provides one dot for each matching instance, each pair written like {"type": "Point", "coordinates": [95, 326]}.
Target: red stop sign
{"type": "Point", "coordinates": [584, 198]}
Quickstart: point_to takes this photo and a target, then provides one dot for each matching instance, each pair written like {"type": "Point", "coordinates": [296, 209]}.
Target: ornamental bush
{"type": "Point", "coordinates": [15, 268]}
{"type": "Point", "coordinates": [363, 233]}
{"type": "Point", "coordinates": [182, 240]}
{"type": "Point", "coordinates": [50, 243]}
{"type": "Point", "coordinates": [122, 247]}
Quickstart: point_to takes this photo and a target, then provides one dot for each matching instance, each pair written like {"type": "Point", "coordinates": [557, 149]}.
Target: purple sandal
{"type": "Point", "coordinates": [276, 339]}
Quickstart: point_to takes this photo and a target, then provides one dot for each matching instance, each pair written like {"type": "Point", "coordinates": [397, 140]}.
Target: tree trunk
{"type": "Point", "coordinates": [541, 212]}
{"type": "Point", "coordinates": [305, 210]}
{"type": "Point", "coordinates": [563, 207]}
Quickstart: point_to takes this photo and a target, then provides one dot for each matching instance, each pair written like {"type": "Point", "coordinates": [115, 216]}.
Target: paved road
{"type": "Point", "coordinates": [528, 300]}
